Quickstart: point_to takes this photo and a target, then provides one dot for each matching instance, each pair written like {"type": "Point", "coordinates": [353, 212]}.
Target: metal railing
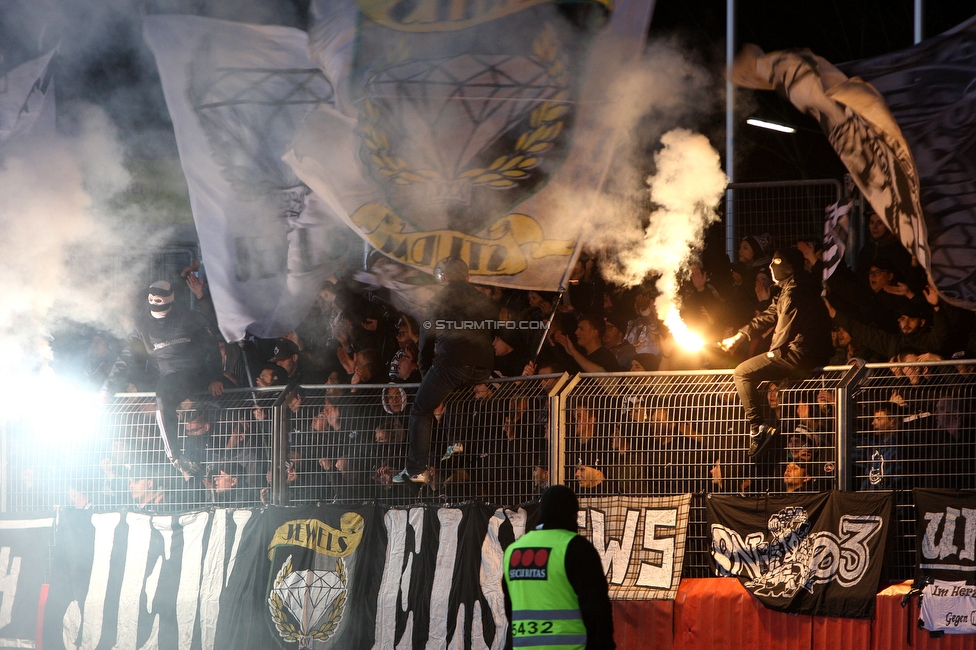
{"type": "Point", "coordinates": [787, 210]}
{"type": "Point", "coordinates": [879, 426]}
{"type": "Point", "coordinates": [671, 433]}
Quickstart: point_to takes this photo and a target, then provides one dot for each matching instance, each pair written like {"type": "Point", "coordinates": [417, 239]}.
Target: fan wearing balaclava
{"type": "Point", "coordinates": [184, 350]}
{"type": "Point", "coordinates": [799, 343]}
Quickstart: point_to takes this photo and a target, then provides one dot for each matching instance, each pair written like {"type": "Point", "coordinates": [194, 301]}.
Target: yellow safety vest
{"type": "Point", "coordinates": [545, 609]}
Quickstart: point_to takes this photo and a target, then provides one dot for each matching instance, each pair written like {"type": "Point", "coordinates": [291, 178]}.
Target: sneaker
{"type": "Point", "coordinates": [759, 438]}
{"type": "Point", "coordinates": [186, 466]}
{"type": "Point", "coordinates": [404, 477]}
{"type": "Point", "coordinates": [456, 448]}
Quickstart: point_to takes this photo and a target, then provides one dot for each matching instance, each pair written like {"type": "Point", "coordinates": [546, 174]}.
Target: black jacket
{"type": "Point", "coordinates": [458, 329]}
{"type": "Point", "coordinates": [801, 333]}
{"type": "Point", "coordinates": [180, 342]}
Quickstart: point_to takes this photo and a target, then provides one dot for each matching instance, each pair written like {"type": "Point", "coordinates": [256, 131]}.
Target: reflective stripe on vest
{"type": "Point", "coordinates": [545, 609]}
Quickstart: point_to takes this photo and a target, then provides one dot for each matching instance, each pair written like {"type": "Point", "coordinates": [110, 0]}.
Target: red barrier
{"type": "Point", "coordinates": [719, 613]}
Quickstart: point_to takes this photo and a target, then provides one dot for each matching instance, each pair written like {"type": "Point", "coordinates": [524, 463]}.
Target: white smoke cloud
{"type": "Point", "coordinates": [657, 103]}
{"type": "Point", "coordinates": [687, 188]}
{"type": "Point", "coordinates": [53, 228]}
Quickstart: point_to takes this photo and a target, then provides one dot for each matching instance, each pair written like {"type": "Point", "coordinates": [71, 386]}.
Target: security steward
{"type": "Point", "coordinates": [556, 593]}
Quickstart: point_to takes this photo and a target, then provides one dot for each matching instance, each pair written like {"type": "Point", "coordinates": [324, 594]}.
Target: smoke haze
{"type": "Point", "coordinates": [660, 102]}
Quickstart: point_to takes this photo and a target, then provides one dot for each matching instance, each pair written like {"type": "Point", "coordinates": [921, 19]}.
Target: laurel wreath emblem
{"type": "Point", "coordinates": [546, 123]}
{"type": "Point", "coordinates": [291, 632]}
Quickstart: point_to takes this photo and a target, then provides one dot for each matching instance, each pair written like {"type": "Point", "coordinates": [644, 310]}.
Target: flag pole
{"type": "Point", "coordinates": [562, 288]}
{"type": "Point", "coordinates": [630, 15]}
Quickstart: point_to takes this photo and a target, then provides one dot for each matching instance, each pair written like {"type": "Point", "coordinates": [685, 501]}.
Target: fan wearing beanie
{"type": "Point", "coordinates": [556, 592]}
{"type": "Point", "coordinates": [799, 343]}
{"type": "Point", "coordinates": [185, 352]}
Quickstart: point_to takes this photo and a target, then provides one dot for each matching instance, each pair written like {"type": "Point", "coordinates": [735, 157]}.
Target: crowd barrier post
{"type": "Point", "coordinates": [845, 425]}
{"type": "Point", "coordinates": [557, 436]}
{"type": "Point", "coordinates": [279, 450]}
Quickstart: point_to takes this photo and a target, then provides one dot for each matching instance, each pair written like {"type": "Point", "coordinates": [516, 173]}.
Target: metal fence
{"type": "Point", "coordinates": [310, 444]}
{"type": "Point", "coordinates": [787, 210]}
{"type": "Point", "coordinates": [914, 426]}
{"type": "Point", "coordinates": [880, 426]}
{"type": "Point", "coordinates": [672, 433]}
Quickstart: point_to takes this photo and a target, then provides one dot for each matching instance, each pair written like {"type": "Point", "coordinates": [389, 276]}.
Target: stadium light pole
{"type": "Point", "coordinates": [730, 127]}
{"type": "Point", "coordinates": [918, 21]}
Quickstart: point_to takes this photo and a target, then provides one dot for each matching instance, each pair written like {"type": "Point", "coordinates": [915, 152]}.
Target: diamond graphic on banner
{"type": "Point", "coordinates": [311, 597]}
{"type": "Point", "coordinates": [455, 140]}
{"type": "Point", "coordinates": [249, 113]}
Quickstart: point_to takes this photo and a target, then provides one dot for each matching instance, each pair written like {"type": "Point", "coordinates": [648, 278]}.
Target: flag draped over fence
{"type": "Point", "coordinates": [946, 559]}
{"type": "Point", "coordinates": [326, 576]}
{"type": "Point", "coordinates": [818, 554]}
{"type": "Point", "coordinates": [27, 100]}
{"type": "Point", "coordinates": [24, 542]}
{"type": "Point", "coordinates": [470, 130]}
{"type": "Point", "coordinates": [903, 125]}
{"type": "Point", "coordinates": [237, 95]}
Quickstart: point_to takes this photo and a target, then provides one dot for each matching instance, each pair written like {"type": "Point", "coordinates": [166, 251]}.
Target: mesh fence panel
{"type": "Point", "coordinates": [914, 428]}
{"type": "Point", "coordinates": [786, 210]}
{"type": "Point", "coordinates": [489, 442]}
{"type": "Point", "coordinates": [670, 433]}
{"type": "Point", "coordinates": [115, 459]}
{"type": "Point", "coordinates": [912, 425]}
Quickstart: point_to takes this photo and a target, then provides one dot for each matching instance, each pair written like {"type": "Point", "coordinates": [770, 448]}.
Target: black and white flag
{"type": "Point", "coordinates": [324, 577]}
{"type": "Point", "coordinates": [946, 560]}
{"type": "Point", "coordinates": [27, 100]}
{"type": "Point", "coordinates": [130, 580]}
{"type": "Point", "coordinates": [641, 542]}
{"type": "Point", "coordinates": [836, 229]}
{"type": "Point", "coordinates": [815, 554]}
{"type": "Point", "coordinates": [24, 543]}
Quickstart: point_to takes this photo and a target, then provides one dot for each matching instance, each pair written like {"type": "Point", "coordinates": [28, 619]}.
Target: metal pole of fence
{"type": "Point", "coordinates": [730, 243]}
{"type": "Point", "coordinates": [279, 450]}
{"type": "Point", "coordinates": [844, 414]}
{"type": "Point", "coordinates": [557, 434]}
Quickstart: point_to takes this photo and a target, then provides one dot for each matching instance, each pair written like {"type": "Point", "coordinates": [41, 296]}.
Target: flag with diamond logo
{"type": "Point", "coordinates": [237, 95]}
{"type": "Point", "coordinates": [473, 130]}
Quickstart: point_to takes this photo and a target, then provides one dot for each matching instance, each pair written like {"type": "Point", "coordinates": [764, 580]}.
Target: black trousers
{"type": "Point", "coordinates": [770, 366]}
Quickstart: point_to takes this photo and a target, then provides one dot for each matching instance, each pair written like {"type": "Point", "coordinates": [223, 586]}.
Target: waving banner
{"type": "Point", "coordinates": [928, 90]}
{"type": "Point", "coordinates": [24, 542]}
{"type": "Point", "coordinates": [467, 129]}
{"type": "Point", "coordinates": [946, 554]}
{"type": "Point", "coordinates": [27, 100]}
{"type": "Point", "coordinates": [816, 554]}
{"type": "Point", "coordinates": [237, 95]}
{"type": "Point", "coordinates": [902, 124]}
{"type": "Point", "coordinates": [325, 576]}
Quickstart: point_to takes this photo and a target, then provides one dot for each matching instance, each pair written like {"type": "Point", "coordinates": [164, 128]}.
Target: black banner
{"type": "Point", "coordinates": [946, 559]}
{"type": "Point", "coordinates": [323, 577]}
{"type": "Point", "coordinates": [816, 554]}
{"type": "Point", "coordinates": [24, 543]}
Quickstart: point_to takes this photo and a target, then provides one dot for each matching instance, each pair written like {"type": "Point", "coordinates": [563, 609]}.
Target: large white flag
{"type": "Point", "coordinates": [27, 100]}
{"type": "Point", "coordinates": [237, 94]}
{"type": "Point", "coordinates": [478, 130]}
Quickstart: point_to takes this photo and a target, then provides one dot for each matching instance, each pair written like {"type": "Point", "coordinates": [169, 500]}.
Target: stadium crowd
{"type": "Point", "coordinates": [351, 443]}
